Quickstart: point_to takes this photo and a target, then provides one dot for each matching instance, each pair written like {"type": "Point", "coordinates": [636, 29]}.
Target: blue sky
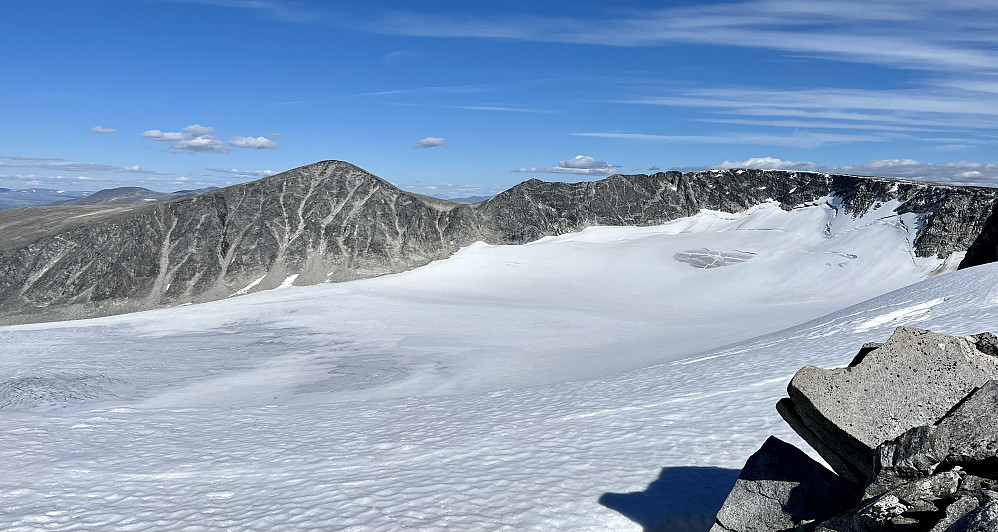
{"type": "Point", "coordinates": [462, 98]}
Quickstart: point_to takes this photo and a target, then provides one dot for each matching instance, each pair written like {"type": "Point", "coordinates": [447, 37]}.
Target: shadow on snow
{"type": "Point", "coordinates": [682, 499]}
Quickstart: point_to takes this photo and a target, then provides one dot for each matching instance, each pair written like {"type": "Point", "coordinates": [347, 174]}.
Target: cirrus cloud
{"type": "Point", "coordinates": [103, 130]}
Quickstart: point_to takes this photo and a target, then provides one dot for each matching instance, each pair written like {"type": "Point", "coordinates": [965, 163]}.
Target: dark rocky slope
{"type": "Point", "coordinates": [332, 221]}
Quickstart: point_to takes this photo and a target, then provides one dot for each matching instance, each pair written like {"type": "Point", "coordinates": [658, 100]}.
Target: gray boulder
{"type": "Point", "coordinates": [915, 454]}
{"type": "Point", "coordinates": [982, 519]}
{"type": "Point", "coordinates": [912, 380]}
{"type": "Point", "coordinates": [781, 488]}
{"type": "Point", "coordinates": [974, 426]}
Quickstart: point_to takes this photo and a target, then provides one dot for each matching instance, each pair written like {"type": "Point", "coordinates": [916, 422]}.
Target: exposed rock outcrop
{"type": "Point", "coordinates": [332, 221]}
{"type": "Point", "coordinates": [909, 426]}
{"type": "Point", "coordinates": [911, 380]}
{"type": "Point", "coordinates": [781, 488]}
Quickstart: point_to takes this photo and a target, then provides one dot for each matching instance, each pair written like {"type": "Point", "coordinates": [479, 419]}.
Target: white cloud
{"type": "Point", "coordinates": [205, 143]}
{"type": "Point", "coordinates": [103, 130]}
{"type": "Point", "coordinates": [156, 134]}
{"type": "Point", "coordinates": [769, 163]}
{"type": "Point", "coordinates": [256, 143]}
{"type": "Point", "coordinates": [583, 162]}
{"type": "Point", "coordinates": [430, 142]}
{"type": "Point", "coordinates": [197, 130]}
{"type": "Point", "coordinates": [578, 165]}
{"type": "Point", "coordinates": [195, 138]}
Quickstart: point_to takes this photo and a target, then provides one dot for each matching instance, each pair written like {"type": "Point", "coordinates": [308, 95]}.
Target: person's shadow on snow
{"type": "Point", "coordinates": [682, 499]}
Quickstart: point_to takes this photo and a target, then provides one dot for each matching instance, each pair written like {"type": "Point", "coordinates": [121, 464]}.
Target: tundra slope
{"type": "Point", "coordinates": [332, 221]}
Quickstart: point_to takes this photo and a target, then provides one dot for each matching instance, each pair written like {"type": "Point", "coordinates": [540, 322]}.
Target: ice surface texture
{"type": "Point", "coordinates": [506, 388]}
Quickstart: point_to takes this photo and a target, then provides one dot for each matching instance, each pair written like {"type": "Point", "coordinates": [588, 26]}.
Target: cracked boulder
{"type": "Point", "coordinates": [915, 454]}
{"type": "Point", "coordinates": [914, 379]}
{"type": "Point", "coordinates": [781, 488]}
{"type": "Point", "coordinates": [974, 445]}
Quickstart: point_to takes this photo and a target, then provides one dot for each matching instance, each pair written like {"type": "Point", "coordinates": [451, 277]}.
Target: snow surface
{"type": "Point", "coordinates": [583, 382]}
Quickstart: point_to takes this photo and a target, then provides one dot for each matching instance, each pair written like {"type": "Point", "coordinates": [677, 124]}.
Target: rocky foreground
{"type": "Point", "coordinates": [909, 429]}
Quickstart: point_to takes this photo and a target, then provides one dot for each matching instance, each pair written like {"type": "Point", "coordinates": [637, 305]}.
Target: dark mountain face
{"type": "Point", "coordinates": [332, 221]}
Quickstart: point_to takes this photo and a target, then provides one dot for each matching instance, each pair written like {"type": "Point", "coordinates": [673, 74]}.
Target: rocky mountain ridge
{"type": "Point", "coordinates": [332, 221]}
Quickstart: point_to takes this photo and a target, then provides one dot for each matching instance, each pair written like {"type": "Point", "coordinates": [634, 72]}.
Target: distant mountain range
{"type": "Point", "coordinates": [333, 221]}
{"type": "Point", "coordinates": [36, 197]}
{"type": "Point", "coordinates": [32, 197]}
{"type": "Point", "coordinates": [470, 199]}
{"type": "Point", "coordinates": [131, 196]}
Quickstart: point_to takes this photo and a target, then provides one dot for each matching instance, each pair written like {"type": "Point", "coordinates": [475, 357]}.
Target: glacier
{"type": "Point", "coordinates": [594, 381]}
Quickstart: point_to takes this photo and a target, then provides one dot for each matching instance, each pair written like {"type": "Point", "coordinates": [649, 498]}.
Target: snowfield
{"type": "Point", "coordinates": [613, 379]}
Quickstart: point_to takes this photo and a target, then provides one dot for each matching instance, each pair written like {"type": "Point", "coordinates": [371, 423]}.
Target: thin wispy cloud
{"type": "Point", "coordinates": [29, 158]}
{"type": "Point", "coordinates": [70, 166]}
{"type": "Point", "coordinates": [401, 56]}
{"type": "Point", "coordinates": [972, 116]}
{"type": "Point", "coordinates": [281, 10]}
{"type": "Point", "coordinates": [249, 174]}
{"type": "Point", "coordinates": [103, 130]}
{"type": "Point", "coordinates": [442, 89]}
{"type": "Point", "coordinates": [497, 108]}
{"type": "Point", "coordinates": [943, 36]}
{"type": "Point", "coordinates": [796, 139]}
{"type": "Point", "coordinates": [881, 101]}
